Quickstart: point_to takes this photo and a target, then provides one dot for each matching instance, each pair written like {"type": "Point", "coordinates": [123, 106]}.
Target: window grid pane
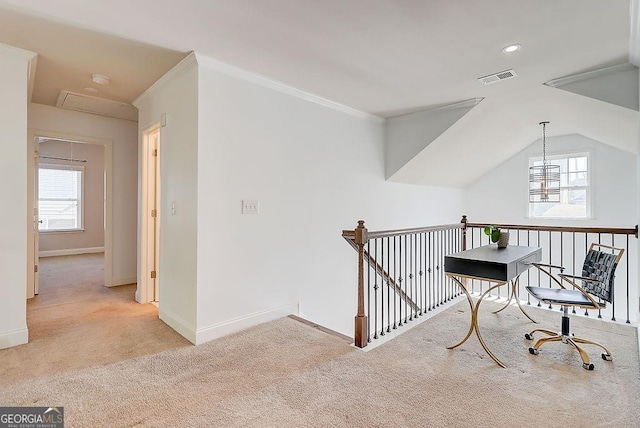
{"type": "Point", "coordinates": [59, 198]}
{"type": "Point", "coordinates": [574, 189]}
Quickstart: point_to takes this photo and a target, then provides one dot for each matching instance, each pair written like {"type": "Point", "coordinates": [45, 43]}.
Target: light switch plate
{"type": "Point", "coordinates": [250, 207]}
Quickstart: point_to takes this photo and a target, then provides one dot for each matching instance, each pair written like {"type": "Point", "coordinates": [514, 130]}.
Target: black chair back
{"type": "Point", "coordinates": [601, 267]}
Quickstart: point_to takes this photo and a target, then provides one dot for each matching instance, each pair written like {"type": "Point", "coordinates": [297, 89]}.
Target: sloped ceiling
{"type": "Point", "coordinates": [386, 58]}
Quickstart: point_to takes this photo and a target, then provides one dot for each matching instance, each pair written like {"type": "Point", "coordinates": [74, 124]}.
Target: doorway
{"type": "Point", "coordinates": [149, 280]}
{"type": "Point", "coordinates": [61, 160]}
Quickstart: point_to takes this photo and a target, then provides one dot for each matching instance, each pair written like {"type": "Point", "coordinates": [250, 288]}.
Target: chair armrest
{"type": "Point", "coordinates": [540, 267]}
{"type": "Point", "coordinates": [549, 266]}
{"type": "Point", "coordinates": [580, 278]}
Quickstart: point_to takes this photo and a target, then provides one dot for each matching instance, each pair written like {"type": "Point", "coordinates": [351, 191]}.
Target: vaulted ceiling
{"type": "Point", "coordinates": [383, 57]}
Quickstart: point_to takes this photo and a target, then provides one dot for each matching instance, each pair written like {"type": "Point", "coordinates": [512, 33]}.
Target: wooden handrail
{"type": "Point", "coordinates": [350, 234]}
{"type": "Point", "coordinates": [613, 230]}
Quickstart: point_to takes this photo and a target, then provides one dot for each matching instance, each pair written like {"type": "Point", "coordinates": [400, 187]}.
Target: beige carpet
{"type": "Point", "coordinates": [77, 322]}
{"type": "Point", "coordinates": [287, 374]}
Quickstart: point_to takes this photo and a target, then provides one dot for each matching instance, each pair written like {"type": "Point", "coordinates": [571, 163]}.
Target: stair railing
{"type": "Point", "coordinates": [401, 275]}
{"type": "Point", "coordinates": [401, 272]}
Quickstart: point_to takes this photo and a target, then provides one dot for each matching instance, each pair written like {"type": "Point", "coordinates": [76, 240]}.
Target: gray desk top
{"type": "Point", "coordinates": [491, 263]}
{"type": "Point", "coordinates": [493, 254]}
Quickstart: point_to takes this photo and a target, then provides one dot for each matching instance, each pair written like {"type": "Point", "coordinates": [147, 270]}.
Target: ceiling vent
{"type": "Point", "coordinates": [496, 77]}
{"type": "Point", "coordinates": [95, 105]}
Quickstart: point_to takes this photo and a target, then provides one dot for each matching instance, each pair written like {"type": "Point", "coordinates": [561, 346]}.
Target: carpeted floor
{"type": "Point", "coordinates": [287, 374]}
{"type": "Point", "coordinates": [77, 322]}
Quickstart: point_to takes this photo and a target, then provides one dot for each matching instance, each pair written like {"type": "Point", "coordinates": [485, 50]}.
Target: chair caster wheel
{"type": "Point", "coordinates": [533, 351]}
{"type": "Point", "coordinates": [528, 336]}
{"type": "Point", "coordinates": [607, 357]}
{"type": "Point", "coordinates": [587, 366]}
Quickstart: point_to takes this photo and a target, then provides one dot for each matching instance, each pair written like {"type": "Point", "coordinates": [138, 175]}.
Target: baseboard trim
{"type": "Point", "coordinates": [71, 252]}
{"type": "Point", "coordinates": [232, 326]}
{"type": "Point", "coordinates": [178, 324]}
{"type": "Point", "coordinates": [14, 337]}
{"type": "Point", "coordinates": [123, 281]}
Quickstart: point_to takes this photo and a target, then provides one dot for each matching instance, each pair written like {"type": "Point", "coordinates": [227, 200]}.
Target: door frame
{"type": "Point", "coordinates": [32, 144]}
{"type": "Point", "coordinates": [146, 290]}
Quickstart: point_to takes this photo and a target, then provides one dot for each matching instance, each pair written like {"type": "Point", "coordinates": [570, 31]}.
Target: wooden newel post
{"type": "Point", "coordinates": [361, 332]}
{"type": "Point", "coordinates": [464, 232]}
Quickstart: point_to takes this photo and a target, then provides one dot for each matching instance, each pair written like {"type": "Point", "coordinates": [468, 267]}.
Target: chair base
{"type": "Point", "coordinates": [567, 337]}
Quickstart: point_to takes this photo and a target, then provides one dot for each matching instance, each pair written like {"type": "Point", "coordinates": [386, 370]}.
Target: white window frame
{"type": "Point", "coordinates": [80, 206]}
{"type": "Point", "coordinates": [589, 214]}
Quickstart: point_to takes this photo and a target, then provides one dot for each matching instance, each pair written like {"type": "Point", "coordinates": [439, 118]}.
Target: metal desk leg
{"type": "Point", "coordinates": [475, 317]}
{"type": "Point", "coordinates": [471, 326]}
{"type": "Point", "coordinates": [474, 320]}
{"type": "Point", "coordinates": [514, 293]}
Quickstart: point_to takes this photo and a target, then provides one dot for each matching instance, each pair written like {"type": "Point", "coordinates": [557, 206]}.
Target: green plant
{"type": "Point", "coordinates": [493, 232]}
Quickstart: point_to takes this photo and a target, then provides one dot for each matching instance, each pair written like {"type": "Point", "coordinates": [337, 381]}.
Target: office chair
{"type": "Point", "coordinates": [598, 274]}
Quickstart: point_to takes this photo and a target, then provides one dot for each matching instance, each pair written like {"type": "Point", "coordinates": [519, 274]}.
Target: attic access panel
{"type": "Point", "coordinates": [95, 105]}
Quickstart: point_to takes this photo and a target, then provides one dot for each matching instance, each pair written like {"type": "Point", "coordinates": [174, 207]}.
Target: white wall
{"type": "Point", "coordinates": [315, 171]}
{"type": "Point", "coordinates": [407, 135]}
{"type": "Point", "coordinates": [124, 136]}
{"type": "Point", "coordinates": [92, 235]}
{"type": "Point", "coordinates": [501, 195]}
{"type": "Point", "coordinates": [175, 96]}
{"type": "Point", "coordinates": [13, 187]}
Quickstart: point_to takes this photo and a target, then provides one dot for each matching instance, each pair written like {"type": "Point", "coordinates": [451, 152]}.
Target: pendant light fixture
{"type": "Point", "coordinates": [544, 180]}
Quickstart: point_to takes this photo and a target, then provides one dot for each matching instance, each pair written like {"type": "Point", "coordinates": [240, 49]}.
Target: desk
{"type": "Point", "coordinates": [493, 265]}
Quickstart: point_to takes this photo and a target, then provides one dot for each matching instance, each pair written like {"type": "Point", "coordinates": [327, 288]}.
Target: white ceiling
{"type": "Point", "coordinates": [68, 56]}
{"type": "Point", "coordinates": [384, 57]}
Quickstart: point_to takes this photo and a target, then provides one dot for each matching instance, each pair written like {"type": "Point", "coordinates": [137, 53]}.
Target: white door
{"type": "Point", "coordinates": [36, 225]}
{"type": "Point", "coordinates": [149, 284]}
{"type": "Point", "coordinates": [155, 196]}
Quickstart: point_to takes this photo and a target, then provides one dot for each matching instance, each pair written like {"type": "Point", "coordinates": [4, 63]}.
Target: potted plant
{"type": "Point", "coordinates": [496, 235]}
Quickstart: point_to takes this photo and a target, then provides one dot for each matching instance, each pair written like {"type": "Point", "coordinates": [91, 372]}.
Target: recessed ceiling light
{"type": "Point", "coordinates": [90, 89]}
{"type": "Point", "coordinates": [511, 48]}
{"type": "Point", "coordinates": [100, 79]}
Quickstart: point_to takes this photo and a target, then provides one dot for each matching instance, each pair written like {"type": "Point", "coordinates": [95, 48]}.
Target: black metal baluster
{"type": "Point", "coordinates": [368, 291]}
{"type": "Point", "coordinates": [613, 303]}
{"type": "Point", "coordinates": [430, 270]}
{"type": "Point", "coordinates": [400, 279]}
{"type": "Point", "coordinates": [573, 264]}
{"type": "Point", "coordinates": [539, 283]}
{"type": "Point", "coordinates": [375, 289]}
{"type": "Point", "coordinates": [473, 281]}
{"type": "Point", "coordinates": [448, 251]}
{"type": "Point", "coordinates": [438, 251]}
{"type": "Point", "coordinates": [406, 303]}
{"type": "Point", "coordinates": [395, 284]}
{"type": "Point", "coordinates": [411, 277]}
{"type": "Point", "coordinates": [382, 281]}
{"type": "Point", "coordinates": [529, 270]}
{"type": "Point", "coordinates": [421, 272]}
{"type": "Point", "coordinates": [550, 262]}
{"type": "Point", "coordinates": [586, 245]}
{"type": "Point", "coordinates": [389, 286]}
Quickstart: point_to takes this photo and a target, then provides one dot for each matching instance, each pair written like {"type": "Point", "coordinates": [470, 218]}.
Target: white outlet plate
{"type": "Point", "coordinates": [250, 207]}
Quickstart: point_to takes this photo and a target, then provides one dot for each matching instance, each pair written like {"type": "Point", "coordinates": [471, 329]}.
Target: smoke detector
{"type": "Point", "coordinates": [496, 77]}
{"type": "Point", "coordinates": [100, 79]}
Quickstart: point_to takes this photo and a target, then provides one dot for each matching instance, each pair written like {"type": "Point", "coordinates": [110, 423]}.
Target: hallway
{"type": "Point", "coordinates": [76, 322]}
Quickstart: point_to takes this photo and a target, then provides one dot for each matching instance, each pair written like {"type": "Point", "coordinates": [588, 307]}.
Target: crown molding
{"type": "Point", "coordinates": [186, 64]}
{"type": "Point", "coordinates": [470, 103]}
{"type": "Point", "coordinates": [261, 80]}
{"type": "Point", "coordinates": [580, 77]}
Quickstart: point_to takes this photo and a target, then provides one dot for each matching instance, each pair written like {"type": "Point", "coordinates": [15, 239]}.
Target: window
{"type": "Point", "coordinates": [60, 197]}
{"type": "Point", "coordinates": [575, 191]}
